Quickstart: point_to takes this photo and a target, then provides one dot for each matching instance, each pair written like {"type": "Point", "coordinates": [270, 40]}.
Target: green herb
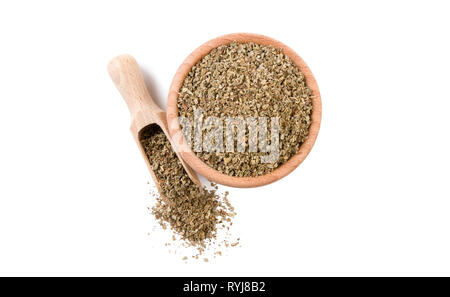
{"type": "Point", "coordinates": [191, 213]}
{"type": "Point", "coordinates": [249, 80]}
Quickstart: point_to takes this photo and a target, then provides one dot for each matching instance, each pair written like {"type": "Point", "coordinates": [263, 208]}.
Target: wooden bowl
{"type": "Point", "coordinates": [195, 162]}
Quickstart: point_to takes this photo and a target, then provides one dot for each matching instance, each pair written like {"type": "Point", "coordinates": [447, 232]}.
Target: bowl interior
{"type": "Point", "coordinates": [195, 162]}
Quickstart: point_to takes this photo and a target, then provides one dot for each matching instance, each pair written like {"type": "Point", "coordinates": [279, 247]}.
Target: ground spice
{"type": "Point", "coordinates": [249, 80]}
{"type": "Point", "coordinates": [191, 213]}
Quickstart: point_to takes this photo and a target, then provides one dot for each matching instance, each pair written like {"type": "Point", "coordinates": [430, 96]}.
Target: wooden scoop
{"type": "Point", "coordinates": [128, 79]}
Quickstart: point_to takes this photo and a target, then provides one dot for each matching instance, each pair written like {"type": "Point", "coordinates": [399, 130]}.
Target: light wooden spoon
{"type": "Point", "coordinates": [128, 79]}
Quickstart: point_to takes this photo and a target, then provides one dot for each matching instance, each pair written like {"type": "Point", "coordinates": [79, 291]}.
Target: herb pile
{"type": "Point", "coordinates": [191, 212]}
{"type": "Point", "coordinates": [249, 80]}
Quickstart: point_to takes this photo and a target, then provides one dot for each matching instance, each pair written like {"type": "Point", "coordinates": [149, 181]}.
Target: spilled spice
{"type": "Point", "coordinates": [191, 213]}
{"type": "Point", "coordinates": [249, 80]}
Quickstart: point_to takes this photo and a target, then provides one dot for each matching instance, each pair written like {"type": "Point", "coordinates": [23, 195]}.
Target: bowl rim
{"type": "Point", "coordinates": [204, 169]}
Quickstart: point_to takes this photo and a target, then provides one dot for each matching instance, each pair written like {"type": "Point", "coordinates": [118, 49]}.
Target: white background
{"type": "Point", "coordinates": [372, 198]}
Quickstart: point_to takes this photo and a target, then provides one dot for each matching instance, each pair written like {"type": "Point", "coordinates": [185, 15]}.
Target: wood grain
{"type": "Point", "coordinates": [196, 163]}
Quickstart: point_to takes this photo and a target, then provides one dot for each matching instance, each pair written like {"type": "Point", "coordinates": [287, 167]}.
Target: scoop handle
{"type": "Point", "coordinates": [127, 77]}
